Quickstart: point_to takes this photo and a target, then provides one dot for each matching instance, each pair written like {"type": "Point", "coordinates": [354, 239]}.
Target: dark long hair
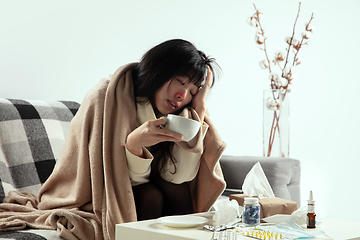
{"type": "Point", "coordinates": [164, 62]}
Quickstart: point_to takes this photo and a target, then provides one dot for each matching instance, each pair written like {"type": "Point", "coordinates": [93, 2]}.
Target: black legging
{"type": "Point", "coordinates": [158, 198]}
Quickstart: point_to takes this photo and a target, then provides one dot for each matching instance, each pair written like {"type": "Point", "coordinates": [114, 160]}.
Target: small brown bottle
{"type": "Point", "coordinates": [311, 222]}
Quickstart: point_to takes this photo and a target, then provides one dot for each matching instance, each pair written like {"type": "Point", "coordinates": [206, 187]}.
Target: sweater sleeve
{"type": "Point", "coordinates": [187, 164]}
{"type": "Point", "coordinates": [139, 168]}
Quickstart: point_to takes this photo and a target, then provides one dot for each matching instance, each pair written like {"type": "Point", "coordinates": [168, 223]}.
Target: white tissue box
{"type": "Point", "coordinates": [269, 206]}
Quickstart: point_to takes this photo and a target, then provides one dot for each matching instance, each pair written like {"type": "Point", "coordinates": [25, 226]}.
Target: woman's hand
{"type": "Point", "coordinates": [149, 134]}
{"type": "Point", "coordinates": [198, 101]}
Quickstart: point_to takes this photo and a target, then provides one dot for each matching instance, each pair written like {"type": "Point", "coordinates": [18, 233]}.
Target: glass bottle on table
{"type": "Point", "coordinates": [251, 213]}
{"type": "Point", "coordinates": [311, 216]}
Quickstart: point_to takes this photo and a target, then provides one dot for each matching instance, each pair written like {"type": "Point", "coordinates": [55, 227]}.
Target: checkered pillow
{"type": "Point", "coordinates": [31, 136]}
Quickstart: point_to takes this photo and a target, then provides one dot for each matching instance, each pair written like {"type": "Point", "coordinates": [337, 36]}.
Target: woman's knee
{"type": "Point", "coordinates": [154, 195]}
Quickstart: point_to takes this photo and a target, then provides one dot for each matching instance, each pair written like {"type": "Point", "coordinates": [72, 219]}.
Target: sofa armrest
{"type": "Point", "coordinates": [283, 174]}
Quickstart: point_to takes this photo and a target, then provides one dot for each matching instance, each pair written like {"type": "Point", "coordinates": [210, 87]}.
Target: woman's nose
{"type": "Point", "coordinates": [181, 96]}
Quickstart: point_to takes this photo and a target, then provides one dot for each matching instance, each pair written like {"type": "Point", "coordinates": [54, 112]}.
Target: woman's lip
{"type": "Point", "coordinates": [172, 105]}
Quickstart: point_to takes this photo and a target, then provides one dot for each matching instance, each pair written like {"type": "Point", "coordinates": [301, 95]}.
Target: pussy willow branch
{"type": "Point", "coordinates": [273, 131]}
{"type": "Point", "coordinates": [271, 137]}
{"type": "Point", "coordinates": [292, 37]}
{"type": "Point", "coordinates": [262, 33]}
{"type": "Point", "coordinates": [275, 124]}
{"type": "Point", "coordinates": [301, 43]}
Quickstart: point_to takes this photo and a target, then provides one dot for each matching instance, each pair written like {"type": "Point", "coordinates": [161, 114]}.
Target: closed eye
{"type": "Point", "coordinates": [193, 94]}
{"type": "Point", "coordinates": [181, 82]}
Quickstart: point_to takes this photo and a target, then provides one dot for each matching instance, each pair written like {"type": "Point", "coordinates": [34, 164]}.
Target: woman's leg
{"type": "Point", "coordinates": [148, 201]}
{"type": "Point", "coordinates": [177, 198]}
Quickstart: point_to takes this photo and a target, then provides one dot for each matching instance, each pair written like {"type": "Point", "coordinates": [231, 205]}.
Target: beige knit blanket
{"type": "Point", "coordinates": [89, 190]}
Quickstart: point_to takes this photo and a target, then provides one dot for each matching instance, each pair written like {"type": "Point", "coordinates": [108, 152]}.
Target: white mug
{"type": "Point", "coordinates": [185, 126]}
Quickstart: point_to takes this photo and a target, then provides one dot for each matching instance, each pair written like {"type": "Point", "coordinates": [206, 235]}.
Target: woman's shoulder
{"type": "Point", "coordinates": [98, 92]}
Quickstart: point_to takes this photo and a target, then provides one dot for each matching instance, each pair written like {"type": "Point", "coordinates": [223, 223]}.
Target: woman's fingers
{"type": "Point", "coordinates": [152, 132]}
{"type": "Point", "coordinates": [209, 77]}
{"type": "Point", "coordinates": [160, 122]}
{"type": "Point", "coordinates": [199, 100]}
{"type": "Point", "coordinates": [149, 134]}
{"type": "Point", "coordinates": [166, 135]}
{"type": "Point", "coordinates": [201, 95]}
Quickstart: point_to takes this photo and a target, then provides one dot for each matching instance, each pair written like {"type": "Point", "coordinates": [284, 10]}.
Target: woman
{"type": "Point", "coordinates": [170, 77]}
{"type": "Point", "coordinates": [117, 165]}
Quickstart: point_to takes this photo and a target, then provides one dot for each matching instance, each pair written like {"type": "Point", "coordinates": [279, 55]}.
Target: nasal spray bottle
{"type": "Point", "coordinates": [311, 212]}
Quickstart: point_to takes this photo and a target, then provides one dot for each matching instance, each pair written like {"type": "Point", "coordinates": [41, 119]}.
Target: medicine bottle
{"type": "Point", "coordinates": [251, 213]}
{"type": "Point", "coordinates": [311, 221]}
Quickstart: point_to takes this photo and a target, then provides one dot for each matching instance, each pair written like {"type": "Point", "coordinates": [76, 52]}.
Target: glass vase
{"type": "Point", "coordinates": [276, 123]}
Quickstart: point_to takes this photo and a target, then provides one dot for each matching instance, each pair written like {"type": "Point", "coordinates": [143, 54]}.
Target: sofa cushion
{"type": "Point", "coordinates": [282, 173]}
{"type": "Point", "coordinates": [31, 136]}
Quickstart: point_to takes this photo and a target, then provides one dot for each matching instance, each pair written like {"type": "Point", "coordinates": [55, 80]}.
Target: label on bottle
{"type": "Point", "coordinates": [311, 208]}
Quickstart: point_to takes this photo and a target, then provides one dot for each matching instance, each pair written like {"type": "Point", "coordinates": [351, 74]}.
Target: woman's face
{"type": "Point", "coordinates": [174, 95]}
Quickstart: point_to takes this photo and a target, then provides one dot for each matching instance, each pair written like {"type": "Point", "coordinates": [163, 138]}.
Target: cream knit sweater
{"type": "Point", "coordinates": [187, 162]}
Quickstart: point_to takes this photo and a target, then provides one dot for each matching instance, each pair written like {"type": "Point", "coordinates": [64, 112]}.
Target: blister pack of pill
{"type": "Point", "coordinates": [225, 235]}
{"type": "Point", "coordinates": [263, 235]}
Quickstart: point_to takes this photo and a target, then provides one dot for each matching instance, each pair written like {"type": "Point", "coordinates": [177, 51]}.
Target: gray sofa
{"type": "Point", "coordinates": [33, 132]}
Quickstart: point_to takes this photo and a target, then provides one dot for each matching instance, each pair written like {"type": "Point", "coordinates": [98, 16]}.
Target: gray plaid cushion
{"type": "Point", "coordinates": [31, 136]}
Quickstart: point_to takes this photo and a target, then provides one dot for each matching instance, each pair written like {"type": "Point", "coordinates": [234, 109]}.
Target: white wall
{"type": "Point", "coordinates": [60, 49]}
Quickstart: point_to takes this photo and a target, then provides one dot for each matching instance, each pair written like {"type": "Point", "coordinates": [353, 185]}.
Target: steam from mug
{"type": "Point", "coordinates": [185, 126]}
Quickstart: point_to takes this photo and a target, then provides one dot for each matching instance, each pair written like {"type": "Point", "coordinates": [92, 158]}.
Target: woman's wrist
{"type": "Point", "coordinates": [201, 110]}
{"type": "Point", "coordinates": [138, 151]}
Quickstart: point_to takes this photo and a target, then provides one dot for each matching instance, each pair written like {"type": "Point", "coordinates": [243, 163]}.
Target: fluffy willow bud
{"type": "Point", "coordinates": [259, 39]}
{"type": "Point", "coordinates": [259, 15]}
{"type": "Point", "coordinates": [296, 44]}
{"type": "Point", "coordinates": [288, 72]}
{"type": "Point", "coordinates": [306, 34]}
{"type": "Point", "coordinates": [294, 41]}
{"type": "Point", "coordinates": [290, 86]}
{"type": "Point", "coordinates": [298, 60]}
{"type": "Point", "coordinates": [273, 104]}
{"type": "Point", "coordinates": [278, 81]}
{"type": "Point", "coordinates": [309, 27]}
{"type": "Point", "coordinates": [288, 40]}
{"type": "Point", "coordinates": [282, 82]}
{"type": "Point", "coordinates": [273, 76]}
{"type": "Point", "coordinates": [252, 21]}
{"type": "Point", "coordinates": [279, 56]}
{"type": "Point", "coordinates": [264, 64]}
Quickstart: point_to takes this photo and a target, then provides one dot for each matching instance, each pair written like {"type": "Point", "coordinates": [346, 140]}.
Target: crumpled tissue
{"type": "Point", "coordinates": [298, 217]}
{"type": "Point", "coordinates": [256, 183]}
{"type": "Point", "coordinates": [228, 212]}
